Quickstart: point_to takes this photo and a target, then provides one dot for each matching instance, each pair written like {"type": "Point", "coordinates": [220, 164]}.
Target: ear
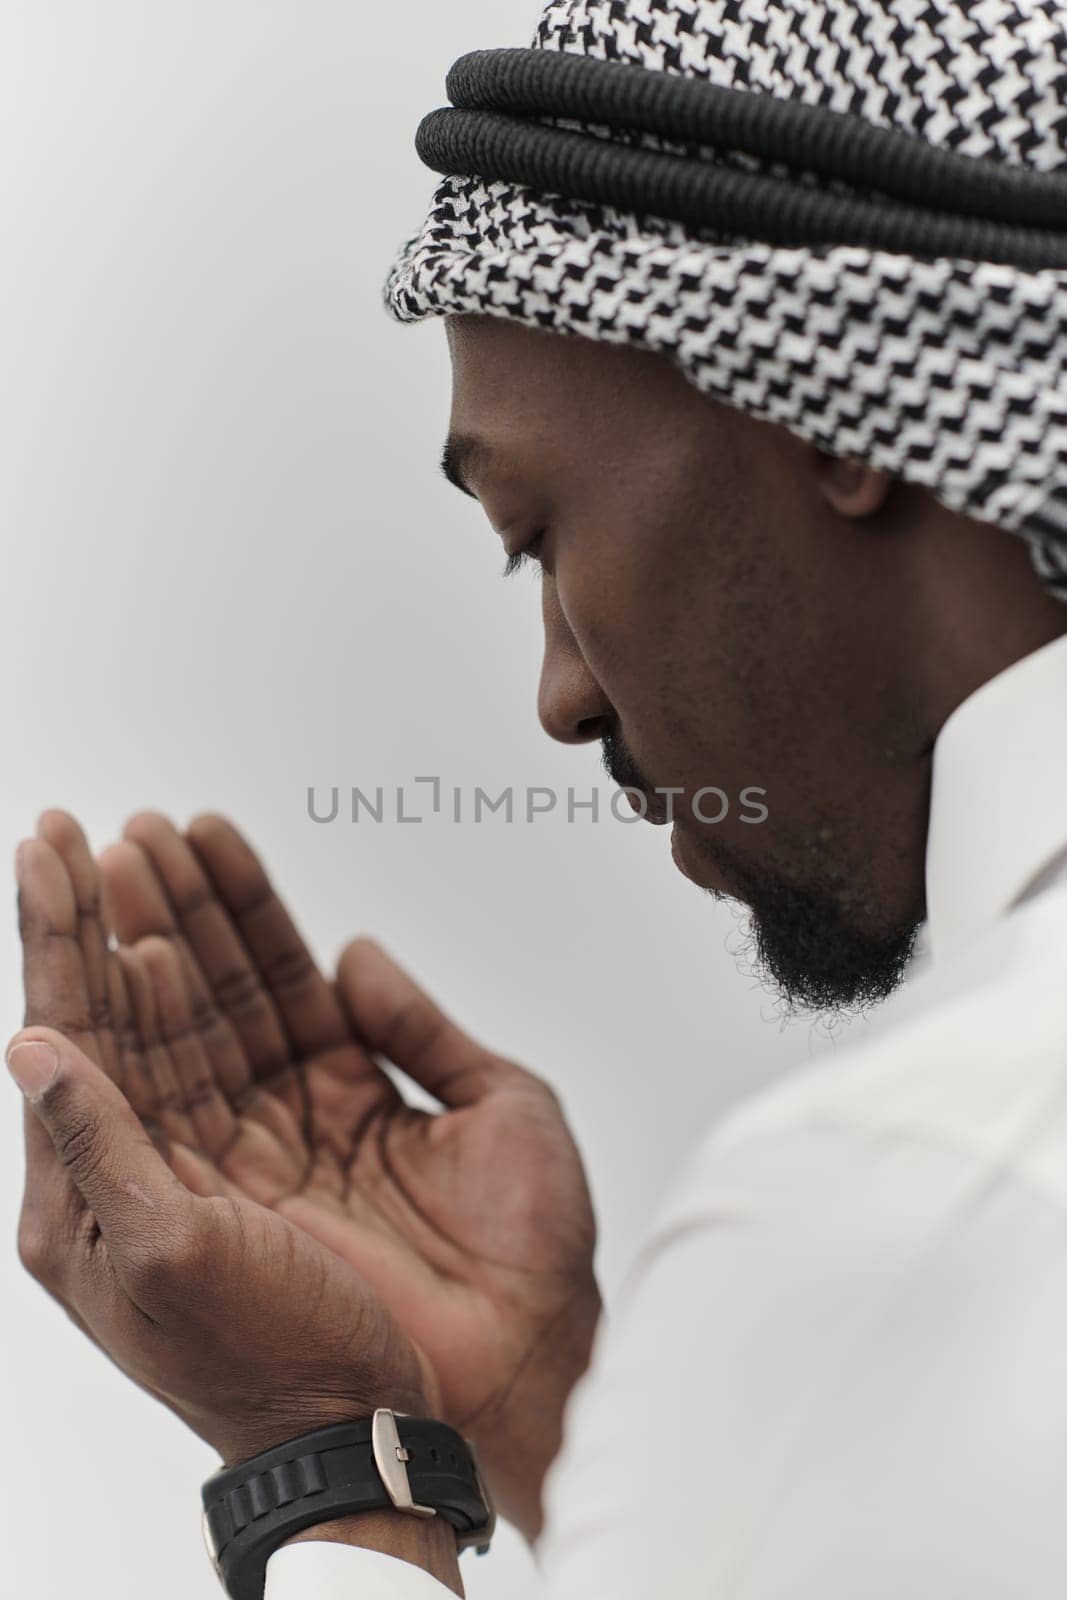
{"type": "Point", "coordinates": [851, 487]}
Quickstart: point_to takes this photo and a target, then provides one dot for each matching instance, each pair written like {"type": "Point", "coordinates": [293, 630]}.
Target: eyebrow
{"type": "Point", "coordinates": [456, 461]}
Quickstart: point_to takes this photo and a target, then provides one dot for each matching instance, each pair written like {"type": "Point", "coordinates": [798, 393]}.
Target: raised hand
{"type": "Point", "coordinates": [473, 1226]}
{"type": "Point", "coordinates": [240, 1321]}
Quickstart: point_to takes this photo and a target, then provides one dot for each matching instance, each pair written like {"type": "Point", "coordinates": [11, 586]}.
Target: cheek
{"type": "Point", "coordinates": [683, 668]}
{"type": "Point", "coordinates": [637, 624]}
{"type": "Point", "coordinates": [606, 614]}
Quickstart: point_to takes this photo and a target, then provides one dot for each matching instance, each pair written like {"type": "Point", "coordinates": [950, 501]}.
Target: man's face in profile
{"type": "Point", "coordinates": [717, 625]}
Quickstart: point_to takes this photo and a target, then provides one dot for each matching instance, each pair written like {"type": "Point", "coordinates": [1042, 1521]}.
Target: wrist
{"type": "Point", "coordinates": [428, 1543]}
{"type": "Point", "coordinates": [518, 1440]}
{"type": "Point", "coordinates": [404, 1486]}
{"type": "Point", "coordinates": [241, 1440]}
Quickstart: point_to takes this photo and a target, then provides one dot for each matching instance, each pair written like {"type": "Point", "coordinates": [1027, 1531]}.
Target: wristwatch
{"type": "Point", "coordinates": [417, 1466]}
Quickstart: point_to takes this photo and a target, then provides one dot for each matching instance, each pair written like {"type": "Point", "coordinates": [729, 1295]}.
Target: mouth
{"type": "Point", "coordinates": [619, 764]}
{"type": "Point", "coordinates": [707, 874]}
{"type": "Point", "coordinates": [648, 809]}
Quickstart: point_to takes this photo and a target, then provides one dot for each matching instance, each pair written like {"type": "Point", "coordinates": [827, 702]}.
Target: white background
{"type": "Point", "coordinates": [232, 571]}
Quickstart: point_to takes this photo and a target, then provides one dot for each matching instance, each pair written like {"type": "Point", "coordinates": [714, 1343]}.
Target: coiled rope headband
{"type": "Point", "coordinates": [890, 298]}
{"type": "Point", "coordinates": [948, 204]}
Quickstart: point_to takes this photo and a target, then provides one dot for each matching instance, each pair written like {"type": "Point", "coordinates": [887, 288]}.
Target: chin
{"type": "Point", "coordinates": [696, 865]}
{"type": "Point", "coordinates": [803, 941]}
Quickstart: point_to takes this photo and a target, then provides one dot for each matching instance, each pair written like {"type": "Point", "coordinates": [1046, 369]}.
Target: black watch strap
{"type": "Point", "coordinates": [416, 1465]}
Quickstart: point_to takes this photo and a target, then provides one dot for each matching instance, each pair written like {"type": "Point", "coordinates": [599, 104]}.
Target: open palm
{"type": "Point", "coordinates": [259, 1077]}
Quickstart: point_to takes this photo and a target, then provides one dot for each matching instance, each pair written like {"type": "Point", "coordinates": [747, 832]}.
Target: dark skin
{"type": "Point", "coordinates": [224, 1189]}
{"type": "Point", "coordinates": [726, 605]}
{"type": "Point", "coordinates": [226, 1192]}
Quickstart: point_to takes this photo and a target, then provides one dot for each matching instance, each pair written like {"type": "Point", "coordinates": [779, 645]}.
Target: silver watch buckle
{"type": "Point", "coordinates": [391, 1459]}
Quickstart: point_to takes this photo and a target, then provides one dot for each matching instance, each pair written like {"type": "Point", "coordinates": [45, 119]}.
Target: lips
{"type": "Point", "coordinates": [707, 874]}
{"type": "Point", "coordinates": [653, 810]}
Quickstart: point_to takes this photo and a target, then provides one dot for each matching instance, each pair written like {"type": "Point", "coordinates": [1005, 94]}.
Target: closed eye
{"type": "Point", "coordinates": [526, 557]}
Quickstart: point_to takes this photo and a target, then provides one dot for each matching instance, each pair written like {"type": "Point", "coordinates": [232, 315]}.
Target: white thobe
{"type": "Point", "coordinates": [838, 1370]}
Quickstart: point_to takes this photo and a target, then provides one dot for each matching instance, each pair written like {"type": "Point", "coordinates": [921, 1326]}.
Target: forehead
{"type": "Point", "coordinates": [498, 359]}
{"type": "Point", "coordinates": [511, 380]}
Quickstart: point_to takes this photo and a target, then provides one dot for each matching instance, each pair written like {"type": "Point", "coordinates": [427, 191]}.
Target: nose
{"type": "Point", "coordinates": [571, 705]}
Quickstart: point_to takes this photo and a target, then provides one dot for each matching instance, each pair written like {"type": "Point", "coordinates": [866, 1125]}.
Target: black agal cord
{"type": "Point", "coordinates": [916, 199]}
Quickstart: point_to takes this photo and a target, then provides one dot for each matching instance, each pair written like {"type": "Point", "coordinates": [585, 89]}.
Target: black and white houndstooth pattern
{"type": "Point", "coordinates": [949, 373]}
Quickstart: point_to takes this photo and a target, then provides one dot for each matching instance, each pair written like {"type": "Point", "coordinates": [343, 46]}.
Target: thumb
{"type": "Point", "coordinates": [395, 1018]}
{"type": "Point", "coordinates": [94, 1132]}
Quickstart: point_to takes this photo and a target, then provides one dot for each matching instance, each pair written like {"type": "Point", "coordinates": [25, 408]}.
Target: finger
{"type": "Point", "coordinates": [57, 995]}
{"type": "Point", "coordinates": [60, 830]}
{"type": "Point", "coordinates": [52, 1211]}
{"type": "Point", "coordinates": [56, 1229]}
{"type": "Point", "coordinates": [138, 908]}
{"type": "Point", "coordinates": [214, 1150]}
{"type": "Point", "coordinates": [201, 1176]}
{"type": "Point", "coordinates": [131, 1074]}
{"type": "Point", "coordinates": [122, 1179]}
{"type": "Point", "coordinates": [211, 1117]}
{"type": "Point", "coordinates": [306, 1001]}
{"type": "Point", "coordinates": [154, 1060]}
{"type": "Point", "coordinates": [57, 1232]}
{"type": "Point", "coordinates": [135, 1076]}
{"type": "Point", "coordinates": [214, 942]}
{"type": "Point", "coordinates": [54, 976]}
{"type": "Point", "coordinates": [135, 902]}
{"type": "Point", "coordinates": [398, 1020]}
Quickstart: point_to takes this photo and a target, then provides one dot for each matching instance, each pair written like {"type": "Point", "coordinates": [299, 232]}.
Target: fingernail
{"type": "Point", "coordinates": [33, 1066]}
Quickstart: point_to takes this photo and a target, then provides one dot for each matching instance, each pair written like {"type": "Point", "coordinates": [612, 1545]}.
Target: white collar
{"type": "Point", "coordinates": [998, 804]}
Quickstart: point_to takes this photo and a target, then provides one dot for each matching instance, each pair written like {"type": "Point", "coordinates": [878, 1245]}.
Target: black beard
{"type": "Point", "coordinates": [815, 956]}
{"type": "Point", "coordinates": [801, 940]}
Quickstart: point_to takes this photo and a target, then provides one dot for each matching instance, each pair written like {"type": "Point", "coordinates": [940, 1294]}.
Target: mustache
{"type": "Point", "coordinates": [622, 769]}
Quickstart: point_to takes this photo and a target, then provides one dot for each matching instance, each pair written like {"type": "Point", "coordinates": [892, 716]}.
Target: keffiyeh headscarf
{"type": "Point", "coordinates": [946, 371]}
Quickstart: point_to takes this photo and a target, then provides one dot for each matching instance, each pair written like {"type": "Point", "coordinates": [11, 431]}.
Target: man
{"type": "Point", "coordinates": [837, 1367]}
